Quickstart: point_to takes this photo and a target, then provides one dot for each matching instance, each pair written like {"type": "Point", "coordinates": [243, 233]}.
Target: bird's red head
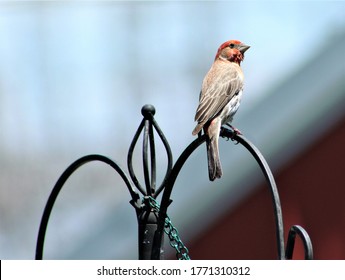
{"type": "Point", "coordinates": [232, 51]}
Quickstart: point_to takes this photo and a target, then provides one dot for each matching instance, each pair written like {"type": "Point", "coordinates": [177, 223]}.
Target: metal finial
{"type": "Point", "coordinates": [148, 110]}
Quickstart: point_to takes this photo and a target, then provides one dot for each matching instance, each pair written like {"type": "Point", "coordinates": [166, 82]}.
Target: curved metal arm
{"type": "Point", "coordinates": [308, 247]}
{"type": "Point", "coordinates": [263, 165]}
{"type": "Point", "coordinates": [61, 181]}
{"type": "Point", "coordinates": [169, 184]}
{"type": "Point", "coordinates": [271, 183]}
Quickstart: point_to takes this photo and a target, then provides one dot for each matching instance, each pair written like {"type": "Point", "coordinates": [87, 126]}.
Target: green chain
{"type": "Point", "coordinates": [174, 238]}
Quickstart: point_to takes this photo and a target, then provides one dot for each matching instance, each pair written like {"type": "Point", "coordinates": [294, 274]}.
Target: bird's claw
{"type": "Point", "coordinates": [236, 132]}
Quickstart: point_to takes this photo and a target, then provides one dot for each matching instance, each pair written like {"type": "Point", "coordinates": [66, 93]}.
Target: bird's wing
{"type": "Point", "coordinates": [217, 91]}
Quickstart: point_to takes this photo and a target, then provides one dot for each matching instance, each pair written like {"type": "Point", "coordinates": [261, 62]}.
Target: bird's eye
{"type": "Point", "coordinates": [232, 46]}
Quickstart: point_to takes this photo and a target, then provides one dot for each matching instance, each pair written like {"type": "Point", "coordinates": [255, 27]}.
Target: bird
{"type": "Point", "coordinates": [219, 99]}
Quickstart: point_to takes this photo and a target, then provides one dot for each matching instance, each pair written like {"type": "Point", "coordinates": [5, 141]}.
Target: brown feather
{"type": "Point", "coordinates": [220, 85]}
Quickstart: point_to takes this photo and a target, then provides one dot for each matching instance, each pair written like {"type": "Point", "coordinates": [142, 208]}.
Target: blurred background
{"type": "Point", "coordinates": [75, 75]}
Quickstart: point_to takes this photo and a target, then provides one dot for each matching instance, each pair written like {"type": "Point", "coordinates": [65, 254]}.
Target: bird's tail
{"type": "Point", "coordinates": [214, 165]}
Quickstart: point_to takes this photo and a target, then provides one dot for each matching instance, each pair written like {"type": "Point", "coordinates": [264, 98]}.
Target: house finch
{"type": "Point", "coordinates": [220, 98]}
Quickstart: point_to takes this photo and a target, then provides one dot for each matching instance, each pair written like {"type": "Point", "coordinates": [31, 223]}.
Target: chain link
{"type": "Point", "coordinates": [172, 232]}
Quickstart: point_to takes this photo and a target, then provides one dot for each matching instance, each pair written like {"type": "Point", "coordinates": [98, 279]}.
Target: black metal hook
{"type": "Point", "coordinates": [270, 181]}
{"type": "Point", "coordinates": [308, 247]}
{"type": "Point", "coordinates": [229, 134]}
{"type": "Point", "coordinates": [60, 183]}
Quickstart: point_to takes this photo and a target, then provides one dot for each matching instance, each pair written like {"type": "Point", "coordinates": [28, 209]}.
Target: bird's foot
{"type": "Point", "coordinates": [236, 132]}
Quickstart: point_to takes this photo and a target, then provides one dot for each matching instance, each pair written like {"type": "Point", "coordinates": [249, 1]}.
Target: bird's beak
{"type": "Point", "coordinates": [242, 48]}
